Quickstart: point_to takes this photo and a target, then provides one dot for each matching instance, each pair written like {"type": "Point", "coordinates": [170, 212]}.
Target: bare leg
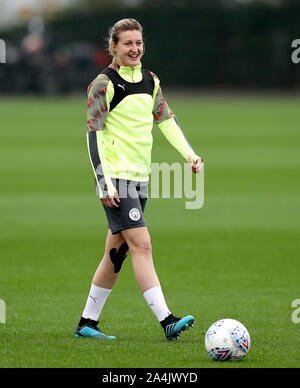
{"type": "Point", "coordinates": [138, 240]}
{"type": "Point", "coordinates": [105, 276]}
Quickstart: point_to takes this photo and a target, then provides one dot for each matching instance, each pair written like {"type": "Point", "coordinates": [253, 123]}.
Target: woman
{"type": "Point", "coordinates": [123, 101]}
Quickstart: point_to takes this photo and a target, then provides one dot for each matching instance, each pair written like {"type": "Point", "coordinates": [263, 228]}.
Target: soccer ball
{"type": "Point", "coordinates": [227, 339]}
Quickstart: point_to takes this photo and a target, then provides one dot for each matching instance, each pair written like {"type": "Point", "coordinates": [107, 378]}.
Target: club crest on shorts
{"type": "Point", "coordinates": [134, 214]}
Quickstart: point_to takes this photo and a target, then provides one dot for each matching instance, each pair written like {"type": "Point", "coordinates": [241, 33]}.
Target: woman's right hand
{"type": "Point", "coordinates": [111, 201]}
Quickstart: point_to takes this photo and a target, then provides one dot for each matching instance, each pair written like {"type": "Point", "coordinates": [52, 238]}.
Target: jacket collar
{"type": "Point", "coordinates": [130, 74]}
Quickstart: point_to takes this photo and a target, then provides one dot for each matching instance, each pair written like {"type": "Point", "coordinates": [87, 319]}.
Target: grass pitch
{"type": "Point", "coordinates": [237, 257]}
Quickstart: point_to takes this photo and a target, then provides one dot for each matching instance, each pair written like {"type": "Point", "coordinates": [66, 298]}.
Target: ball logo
{"type": "Point", "coordinates": [134, 214]}
{"type": "Point", "coordinates": [224, 354]}
{"type": "Point", "coordinates": [245, 343]}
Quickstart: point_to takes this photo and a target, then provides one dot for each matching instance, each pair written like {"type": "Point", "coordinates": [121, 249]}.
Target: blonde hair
{"type": "Point", "coordinates": [121, 26]}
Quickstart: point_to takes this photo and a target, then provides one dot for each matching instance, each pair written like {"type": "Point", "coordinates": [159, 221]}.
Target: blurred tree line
{"type": "Point", "coordinates": [215, 43]}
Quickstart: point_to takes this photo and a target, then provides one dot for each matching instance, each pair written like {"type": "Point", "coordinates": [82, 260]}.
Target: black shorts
{"type": "Point", "coordinates": [130, 213]}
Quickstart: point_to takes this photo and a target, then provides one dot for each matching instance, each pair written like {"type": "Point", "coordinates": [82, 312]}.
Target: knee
{"type": "Point", "coordinates": [142, 247]}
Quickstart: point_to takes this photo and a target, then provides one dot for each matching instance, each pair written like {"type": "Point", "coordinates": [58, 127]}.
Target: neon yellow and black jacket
{"type": "Point", "coordinates": [123, 102]}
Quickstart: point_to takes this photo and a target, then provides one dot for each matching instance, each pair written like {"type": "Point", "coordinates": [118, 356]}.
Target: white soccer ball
{"type": "Point", "coordinates": [227, 339]}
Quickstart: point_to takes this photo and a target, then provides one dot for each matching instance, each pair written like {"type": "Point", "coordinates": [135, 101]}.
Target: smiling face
{"type": "Point", "coordinates": [128, 50]}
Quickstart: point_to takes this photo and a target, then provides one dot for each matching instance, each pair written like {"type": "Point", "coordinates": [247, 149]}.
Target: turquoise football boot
{"type": "Point", "coordinates": [174, 326]}
{"type": "Point", "coordinates": [88, 328]}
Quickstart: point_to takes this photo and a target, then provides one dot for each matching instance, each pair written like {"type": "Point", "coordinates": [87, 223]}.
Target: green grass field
{"type": "Point", "coordinates": [237, 257]}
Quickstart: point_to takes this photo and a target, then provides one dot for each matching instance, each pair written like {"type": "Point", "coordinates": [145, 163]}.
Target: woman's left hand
{"type": "Point", "coordinates": [196, 167]}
